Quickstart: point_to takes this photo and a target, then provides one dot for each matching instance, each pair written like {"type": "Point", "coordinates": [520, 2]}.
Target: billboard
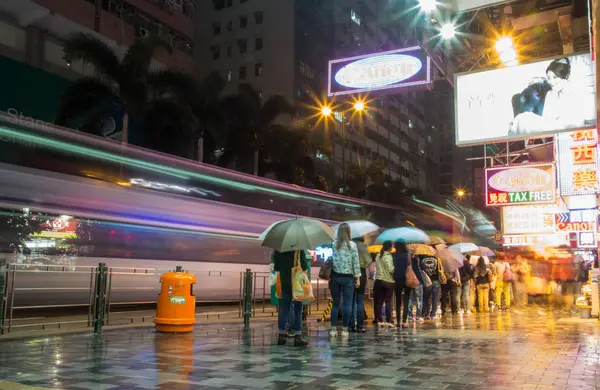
{"type": "Point", "coordinates": [528, 219]}
{"type": "Point", "coordinates": [379, 71]}
{"type": "Point", "coordinates": [577, 156]}
{"type": "Point", "coordinates": [467, 5]}
{"type": "Point", "coordinates": [525, 101]}
{"type": "Point", "coordinates": [536, 239]}
{"type": "Point", "coordinates": [520, 185]}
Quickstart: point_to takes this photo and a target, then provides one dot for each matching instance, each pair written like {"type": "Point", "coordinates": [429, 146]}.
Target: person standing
{"type": "Point", "coordinates": [450, 291]}
{"type": "Point", "coordinates": [431, 295]}
{"type": "Point", "coordinates": [345, 277]}
{"type": "Point", "coordinates": [401, 262]}
{"type": "Point", "coordinates": [283, 263]}
{"type": "Point", "coordinates": [464, 291]}
{"type": "Point", "coordinates": [504, 279]}
{"type": "Point", "coordinates": [384, 284]}
{"type": "Point", "coordinates": [357, 322]}
{"type": "Point", "coordinates": [482, 276]}
{"type": "Point", "coordinates": [523, 272]}
{"type": "Point", "coordinates": [416, 295]}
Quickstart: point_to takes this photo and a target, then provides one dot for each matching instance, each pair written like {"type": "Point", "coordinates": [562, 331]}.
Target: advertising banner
{"type": "Point", "coordinates": [525, 101]}
{"type": "Point", "coordinates": [577, 156]}
{"type": "Point", "coordinates": [528, 219]}
{"type": "Point", "coordinates": [521, 185]}
{"type": "Point", "coordinates": [587, 240]}
{"type": "Point", "coordinates": [379, 71]}
{"type": "Point", "coordinates": [536, 240]}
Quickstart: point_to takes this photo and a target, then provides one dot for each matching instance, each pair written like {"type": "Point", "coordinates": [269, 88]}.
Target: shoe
{"type": "Point", "coordinates": [281, 340]}
{"type": "Point", "coordinates": [290, 335]}
{"type": "Point", "coordinates": [333, 333]}
{"type": "Point", "coordinates": [361, 330]}
{"type": "Point", "coordinates": [352, 329]}
{"type": "Point", "coordinates": [344, 333]}
{"type": "Point", "coordinates": [398, 325]}
{"type": "Point", "coordinates": [468, 312]}
{"type": "Point", "coordinates": [299, 341]}
{"type": "Point", "coordinates": [421, 319]}
{"type": "Point", "coordinates": [405, 325]}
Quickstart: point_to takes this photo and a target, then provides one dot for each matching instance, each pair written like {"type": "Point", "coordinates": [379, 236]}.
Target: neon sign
{"type": "Point", "coordinates": [578, 163]}
{"type": "Point", "coordinates": [520, 185]}
{"type": "Point", "coordinates": [386, 70]}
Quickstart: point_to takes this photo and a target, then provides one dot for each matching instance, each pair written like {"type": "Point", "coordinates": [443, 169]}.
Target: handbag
{"type": "Point", "coordinates": [371, 270]}
{"type": "Point", "coordinates": [326, 268]}
{"type": "Point", "coordinates": [508, 276]}
{"type": "Point", "coordinates": [411, 278]}
{"type": "Point", "coordinates": [301, 286]}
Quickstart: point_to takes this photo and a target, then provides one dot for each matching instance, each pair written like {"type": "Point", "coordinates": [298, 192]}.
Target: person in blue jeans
{"type": "Point", "coordinates": [431, 295]}
{"type": "Point", "coordinates": [345, 277]}
{"type": "Point", "coordinates": [283, 263]}
{"type": "Point", "coordinates": [357, 320]}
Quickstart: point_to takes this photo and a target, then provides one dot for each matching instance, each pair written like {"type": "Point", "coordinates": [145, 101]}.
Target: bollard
{"type": "Point", "coordinates": [3, 285]}
{"type": "Point", "coordinates": [247, 297]}
{"type": "Point", "coordinates": [100, 298]}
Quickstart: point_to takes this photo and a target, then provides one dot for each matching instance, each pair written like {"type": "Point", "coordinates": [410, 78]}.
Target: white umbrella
{"type": "Point", "coordinates": [464, 247]}
{"type": "Point", "coordinates": [297, 234]}
{"type": "Point", "coordinates": [358, 228]}
{"type": "Point", "coordinates": [451, 259]}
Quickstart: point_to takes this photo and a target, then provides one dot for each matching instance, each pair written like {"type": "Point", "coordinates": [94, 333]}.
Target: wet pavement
{"type": "Point", "coordinates": [529, 349]}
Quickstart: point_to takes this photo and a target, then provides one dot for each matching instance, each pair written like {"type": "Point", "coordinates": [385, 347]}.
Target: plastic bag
{"type": "Point", "coordinates": [301, 286]}
{"type": "Point", "coordinates": [273, 277]}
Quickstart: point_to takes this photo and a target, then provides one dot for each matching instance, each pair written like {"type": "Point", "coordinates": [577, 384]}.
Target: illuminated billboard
{"type": "Point", "coordinates": [577, 156]}
{"type": "Point", "coordinates": [525, 101]}
{"type": "Point", "coordinates": [536, 240]}
{"type": "Point", "coordinates": [528, 219]}
{"type": "Point", "coordinates": [379, 71]}
{"type": "Point", "coordinates": [520, 185]}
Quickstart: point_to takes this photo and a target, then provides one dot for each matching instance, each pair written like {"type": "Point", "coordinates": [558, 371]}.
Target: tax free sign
{"type": "Point", "coordinates": [521, 185]}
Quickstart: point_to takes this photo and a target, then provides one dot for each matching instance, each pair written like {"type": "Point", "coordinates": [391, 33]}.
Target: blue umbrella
{"type": "Point", "coordinates": [406, 234]}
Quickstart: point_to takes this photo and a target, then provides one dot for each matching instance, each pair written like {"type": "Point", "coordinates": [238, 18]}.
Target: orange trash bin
{"type": "Point", "coordinates": [176, 309]}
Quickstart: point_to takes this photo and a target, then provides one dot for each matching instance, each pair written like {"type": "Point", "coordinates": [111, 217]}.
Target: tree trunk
{"type": "Point", "coordinates": [125, 130]}
{"type": "Point", "coordinates": [201, 149]}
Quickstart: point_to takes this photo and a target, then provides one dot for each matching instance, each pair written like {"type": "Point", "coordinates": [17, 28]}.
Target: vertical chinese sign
{"type": "Point", "coordinates": [578, 162]}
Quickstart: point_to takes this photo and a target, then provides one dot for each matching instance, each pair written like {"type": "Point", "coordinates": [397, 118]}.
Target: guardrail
{"type": "Point", "coordinates": [98, 296]}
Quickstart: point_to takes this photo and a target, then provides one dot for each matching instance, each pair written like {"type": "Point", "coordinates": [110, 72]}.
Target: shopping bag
{"type": "Point", "coordinates": [301, 286]}
{"type": "Point", "coordinates": [411, 278]}
{"type": "Point", "coordinates": [278, 285]}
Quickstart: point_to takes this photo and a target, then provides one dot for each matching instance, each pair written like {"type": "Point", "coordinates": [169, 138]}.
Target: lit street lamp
{"type": "Point", "coordinates": [448, 31]}
{"type": "Point", "coordinates": [460, 193]}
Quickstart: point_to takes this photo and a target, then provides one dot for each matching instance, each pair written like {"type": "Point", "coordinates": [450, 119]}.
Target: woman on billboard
{"type": "Point", "coordinates": [548, 103]}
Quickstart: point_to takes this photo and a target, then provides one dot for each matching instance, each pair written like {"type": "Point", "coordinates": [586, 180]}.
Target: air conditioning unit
{"type": "Point", "coordinates": [142, 32]}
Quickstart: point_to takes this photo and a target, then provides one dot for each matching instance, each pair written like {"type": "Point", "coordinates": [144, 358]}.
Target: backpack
{"type": "Point", "coordinates": [483, 279]}
{"type": "Point", "coordinates": [325, 271]}
{"type": "Point", "coordinates": [507, 276]}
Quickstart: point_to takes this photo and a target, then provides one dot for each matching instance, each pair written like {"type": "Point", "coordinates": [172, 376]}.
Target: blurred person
{"type": "Point", "coordinates": [283, 263]}
{"type": "Point", "coordinates": [450, 292]}
{"type": "Point", "coordinates": [416, 296]}
{"type": "Point", "coordinates": [431, 295]}
{"type": "Point", "coordinates": [357, 321]}
{"type": "Point", "coordinates": [482, 276]}
{"type": "Point", "coordinates": [383, 290]}
{"type": "Point", "coordinates": [345, 277]}
{"type": "Point", "coordinates": [522, 274]}
{"type": "Point", "coordinates": [290, 329]}
{"type": "Point", "coordinates": [464, 291]}
{"type": "Point", "coordinates": [504, 278]}
{"type": "Point", "coordinates": [401, 262]}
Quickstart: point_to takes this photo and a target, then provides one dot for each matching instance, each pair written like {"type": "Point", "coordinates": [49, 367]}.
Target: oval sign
{"type": "Point", "coordinates": [521, 179]}
{"type": "Point", "coordinates": [378, 71]}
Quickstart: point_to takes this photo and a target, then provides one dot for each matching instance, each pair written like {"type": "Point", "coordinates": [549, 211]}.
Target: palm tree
{"type": "Point", "coordinates": [126, 94]}
{"type": "Point", "coordinates": [248, 119]}
{"type": "Point", "coordinates": [211, 117]}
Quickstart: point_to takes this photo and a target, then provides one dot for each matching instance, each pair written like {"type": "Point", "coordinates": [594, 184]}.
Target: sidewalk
{"type": "Point", "coordinates": [500, 350]}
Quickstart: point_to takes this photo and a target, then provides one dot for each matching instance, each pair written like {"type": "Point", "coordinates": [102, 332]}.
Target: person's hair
{"type": "Point", "coordinates": [561, 67]}
{"type": "Point", "coordinates": [386, 247]}
{"type": "Point", "coordinates": [481, 266]}
{"type": "Point", "coordinates": [343, 236]}
{"type": "Point", "coordinates": [400, 247]}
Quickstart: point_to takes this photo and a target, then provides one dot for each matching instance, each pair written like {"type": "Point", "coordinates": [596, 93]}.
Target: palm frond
{"type": "Point", "coordinates": [274, 107]}
{"type": "Point", "coordinates": [137, 60]}
{"type": "Point", "coordinates": [89, 49]}
{"type": "Point", "coordinates": [81, 97]}
{"type": "Point", "coordinates": [174, 84]}
{"type": "Point", "coordinates": [212, 86]}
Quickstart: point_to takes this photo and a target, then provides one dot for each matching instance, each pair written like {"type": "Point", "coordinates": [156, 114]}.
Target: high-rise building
{"type": "Point", "coordinates": [32, 33]}
{"type": "Point", "coordinates": [283, 47]}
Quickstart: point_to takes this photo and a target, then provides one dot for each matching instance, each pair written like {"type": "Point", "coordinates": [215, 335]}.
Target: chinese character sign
{"type": "Point", "coordinates": [521, 185]}
{"type": "Point", "coordinates": [578, 163]}
{"type": "Point", "coordinates": [528, 219]}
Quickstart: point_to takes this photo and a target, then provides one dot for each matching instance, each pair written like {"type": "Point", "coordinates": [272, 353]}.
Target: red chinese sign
{"type": "Point", "coordinates": [578, 162]}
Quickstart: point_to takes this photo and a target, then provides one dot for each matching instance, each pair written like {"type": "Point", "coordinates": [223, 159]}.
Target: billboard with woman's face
{"type": "Point", "coordinates": [525, 101]}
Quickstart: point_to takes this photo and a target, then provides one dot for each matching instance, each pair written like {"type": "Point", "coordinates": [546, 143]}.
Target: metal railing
{"type": "Point", "coordinates": [91, 297]}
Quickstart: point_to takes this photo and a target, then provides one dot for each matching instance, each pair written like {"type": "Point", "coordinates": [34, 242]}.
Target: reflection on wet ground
{"type": "Point", "coordinates": [532, 348]}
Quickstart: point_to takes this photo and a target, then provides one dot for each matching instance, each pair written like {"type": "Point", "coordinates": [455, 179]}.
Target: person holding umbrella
{"type": "Point", "coordinates": [357, 321]}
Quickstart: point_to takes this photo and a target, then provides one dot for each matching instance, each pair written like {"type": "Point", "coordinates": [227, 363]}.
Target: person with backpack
{"type": "Point", "coordinates": [504, 279]}
{"type": "Point", "coordinates": [482, 276]}
{"type": "Point", "coordinates": [466, 274]}
{"type": "Point", "coordinates": [431, 295]}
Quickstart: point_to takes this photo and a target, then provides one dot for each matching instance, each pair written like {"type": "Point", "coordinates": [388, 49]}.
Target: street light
{"type": "Point", "coordinates": [326, 111]}
{"type": "Point", "coordinates": [506, 51]}
{"type": "Point", "coordinates": [359, 106]}
{"type": "Point", "coordinates": [460, 193]}
{"type": "Point", "coordinates": [448, 31]}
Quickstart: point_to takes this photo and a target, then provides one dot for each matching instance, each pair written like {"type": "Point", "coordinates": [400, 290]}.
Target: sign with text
{"type": "Point", "coordinates": [578, 162]}
{"type": "Point", "coordinates": [574, 226]}
{"type": "Point", "coordinates": [521, 185]}
{"type": "Point", "coordinates": [587, 240]}
{"type": "Point", "coordinates": [536, 240]}
{"type": "Point", "coordinates": [528, 219]}
{"type": "Point", "coordinates": [379, 71]}
{"type": "Point", "coordinates": [525, 101]}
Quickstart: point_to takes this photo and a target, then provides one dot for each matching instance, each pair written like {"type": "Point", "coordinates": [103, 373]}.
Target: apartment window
{"type": "Point", "coordinates": [258, 43]}
{"type": "Point", "coordinates": [215, 51]}
{"type": "Point", "coordinates": [243, 21]}
{"type": "Point", "coordinates": [258, 69]}
{"type": "Point", "coordinates": [258, 17]}
{"type": "Point", "coordinates": [354, 16]}
{"type": "Point", "coordinates": [216, 28]}
{"type": "Point", "coordinates": [242, 73]}
{"type": "Point", "coordinates": [307, 71]}
{"type": "Point", "coordinates": [230, 25]}
{"type": "Point", "coordinates": [229, 75]}
{"type": "Point", "coordinates": [229, 51]}
{"type": "Point", "coordinates": [220, 4]}
{"type": "Point", "coordinates": [242, 45]}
